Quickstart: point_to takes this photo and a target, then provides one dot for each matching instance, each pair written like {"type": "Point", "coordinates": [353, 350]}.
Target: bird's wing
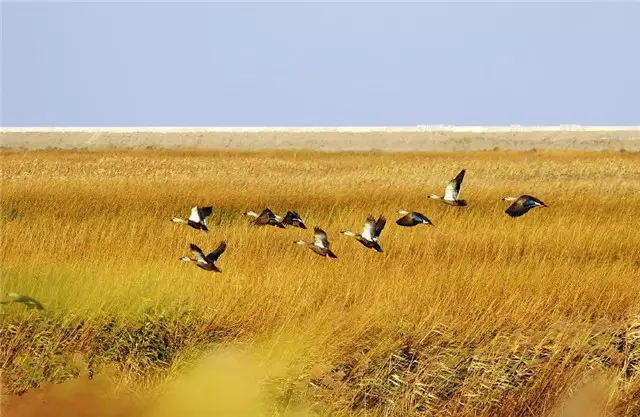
{"type": "Point", "coordinates": [321, 238]}
{"type": "Point", "coordinates": [369, 230]}
{"type": "Point", "coordinates": [264, 217]}
{"type": "Point", "coordinates": [213, 256]}
{"type": "Point", "coordinates": [197, 253]}
{"type": "Point", "coordinates": [452, 191]}
{"type": "Point", "coordinates": [195, 215]}
{"type": "Point", "coordinates": [406, 220]}
{"type": "Point", "coordinates": [421, 217]}
{"type": "Point", "coordinates": [379, 226]}
{"type": "Point", "coordinates": [530, 201]}
{"type": "Point", "coordinates": [294, 220]}
{"type": "Point", "coordinates": [288, 218]}
{"type": "Point", "coordinates": [517, 208]}
{"type": "Point", "coordinates": [30, 302]}
{"type": "Point", "coordinates": [205, 211]}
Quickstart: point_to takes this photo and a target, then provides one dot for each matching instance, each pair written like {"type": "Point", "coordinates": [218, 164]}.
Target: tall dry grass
{"type": "Point", "coordinates": [481, 315]}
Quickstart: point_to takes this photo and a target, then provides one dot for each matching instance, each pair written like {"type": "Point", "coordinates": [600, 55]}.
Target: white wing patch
{"type": "Point", "coordinates": [195, 216]}
{"type": "Point", "coordinates": [321, 238]}
{"type": "Point", "coordinates": [369, 230]}
{"type": "Point", "coordinates": [450, 193]}
{"type": "Point", "coordinates": [199, 256]}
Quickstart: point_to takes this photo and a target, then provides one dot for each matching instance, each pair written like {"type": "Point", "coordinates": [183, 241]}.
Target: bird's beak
{"type": "Point", "coordinates": [544, 205]}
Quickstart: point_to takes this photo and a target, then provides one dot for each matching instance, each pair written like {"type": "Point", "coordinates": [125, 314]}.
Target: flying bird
{"type": "Point", "coordinates": [412, 218]}
{"type": "Point", "coordinates": [208, 262]}
{"type": "Point", "coordinates": [266, 218]}
{"type": "Point", "coordinates": [29, 302]}
{"type": "Point", "coordinates": [321, 244]}
{"type": "Point", "coordinates": [370, 234]}
{"type": "Point", "coordinates": [198, 218]}
{"type": "Point", "coordinates": [292, 218]}
{"type": "Point", "coordinates": [452, 191]}
{"type": "Point", "coordinates": [522, 204]}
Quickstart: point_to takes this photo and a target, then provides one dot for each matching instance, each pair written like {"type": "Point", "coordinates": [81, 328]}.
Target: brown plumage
{"type": "Point", "coordinates": [266, 218]}
{"type": "Point", "coordinates": [293, 219]}
{"type": "Point", "coordinates": [412, 218]}
{"type": "Point", "coordinates": [206, 262]}
{"type": "Point", "coordinates": [197, 219]}
{"type": "Point", "coordinates": [321, 244]}
{"type": "Point", "coordinates": [452, 191]}
{"type": "Point", "coordinates": [370, 234]}
{"type": "Point", "coordinates": [522, 205]}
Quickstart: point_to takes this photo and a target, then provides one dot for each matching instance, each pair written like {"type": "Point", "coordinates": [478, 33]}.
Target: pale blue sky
{"type": "Point", "coordinates": [276, 64]}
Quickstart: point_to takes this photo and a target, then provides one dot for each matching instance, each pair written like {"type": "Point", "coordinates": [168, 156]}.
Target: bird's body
{"type": "Point", "coordinates": [266, 218]}
{"type": "Point", "coordinates": [29, 302]}
{"type": "Point", "coordinates": [292, 218]}
{"type": "Point", "coordinates": [412, 218]}
{"type": "Point", "coordinates": [370, 234]}
{"type": "Point", "coordinates": [452, 192]}
{"type": "Point", "coordinates": [321, 244]}
{"type": "Point", "coordinates": [206, 262]}
{"type": "Point", "coordinates": [197, 219]}
{"type": "Point", "coordinates": [522, 204]}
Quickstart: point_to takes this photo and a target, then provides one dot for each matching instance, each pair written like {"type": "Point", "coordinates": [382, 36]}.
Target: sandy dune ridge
{"type": "Point", "coordinates": [408, 138]}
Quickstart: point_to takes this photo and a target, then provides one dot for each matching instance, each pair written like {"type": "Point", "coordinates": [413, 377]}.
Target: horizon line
{"type": "Point", "coordinates": [355, 129]}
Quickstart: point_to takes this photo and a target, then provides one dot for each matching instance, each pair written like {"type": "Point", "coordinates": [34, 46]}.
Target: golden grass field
{"type": "Point", "coordinates": [481, 315]}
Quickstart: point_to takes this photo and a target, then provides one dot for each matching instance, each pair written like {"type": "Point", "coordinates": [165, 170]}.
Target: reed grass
{"type": "Point", "coordinates": [482, 314]}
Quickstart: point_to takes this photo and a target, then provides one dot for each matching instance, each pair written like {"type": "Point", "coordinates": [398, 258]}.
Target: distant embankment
{"type": "Point", "coordinates": [416, 138]}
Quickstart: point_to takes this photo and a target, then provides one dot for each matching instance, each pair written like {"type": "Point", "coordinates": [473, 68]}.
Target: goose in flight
{"type": "Point", "coordinates": [452, 191]}
{"type": "Point", "coordinates": [320, 245]}
{"type": "Point", "coordinates": [370, 234]}
{"type": "Point", "coordinates": [266, 218]}
{"type": "Point", "coordinates": [412, 218]}
{"type": "Point", "coordinates": [198, 218]}
{"type": "Point", "coordinates": [522, 204]}
{"type": "Point", "coordinates": [29, 302]}
{"type": "Point", "coordinates": [206, 262]}
{"type": "Point", "coordinates": [292, 218]}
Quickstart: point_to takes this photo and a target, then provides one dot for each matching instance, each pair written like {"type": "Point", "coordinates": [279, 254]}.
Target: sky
{"type": "Point", "coordinates": [319, 64]}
